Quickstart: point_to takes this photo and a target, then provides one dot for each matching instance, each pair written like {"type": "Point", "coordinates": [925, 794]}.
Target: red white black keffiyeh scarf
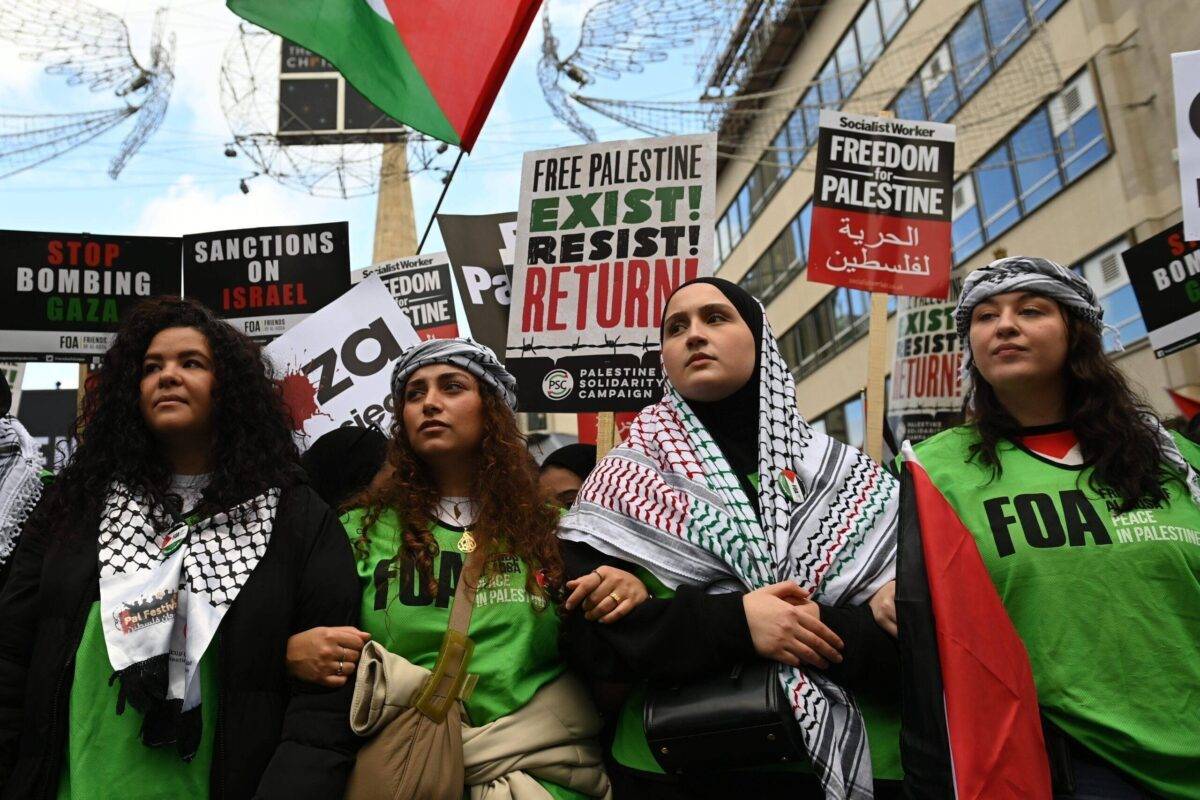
{"type": "Point", "coordinates": [164, 589]}
{"type": "Point", "coordinates": [667, 500]}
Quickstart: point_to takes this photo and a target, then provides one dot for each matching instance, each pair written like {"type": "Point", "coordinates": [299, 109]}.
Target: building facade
{"type": "Point", "coordinates": [1065, 149]}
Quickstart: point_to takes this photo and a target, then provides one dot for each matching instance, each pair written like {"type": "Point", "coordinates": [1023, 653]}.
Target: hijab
{"type": "Point", "coordinates": [342, 462]}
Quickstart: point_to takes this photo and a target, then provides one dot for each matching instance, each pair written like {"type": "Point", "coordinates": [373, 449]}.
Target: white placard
{"type": "Point", "coordinates": [1186, 67]}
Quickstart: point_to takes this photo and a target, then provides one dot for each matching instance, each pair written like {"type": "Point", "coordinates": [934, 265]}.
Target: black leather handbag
{"type": "Point", "coordinates": [741, 719]}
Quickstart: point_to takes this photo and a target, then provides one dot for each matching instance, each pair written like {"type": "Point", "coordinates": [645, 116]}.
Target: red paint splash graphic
{"type": "Point", "coordinates": [300, 397]}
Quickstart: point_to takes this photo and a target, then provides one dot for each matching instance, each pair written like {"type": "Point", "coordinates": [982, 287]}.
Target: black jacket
{"type": "Point", "coordinates": [274, 738]}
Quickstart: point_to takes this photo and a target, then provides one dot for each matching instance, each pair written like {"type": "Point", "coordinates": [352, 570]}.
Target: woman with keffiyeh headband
{"type": "Point", "coordinates": [155, 585]}
{"type": "Point", "coordinates": [723, 482]}
{"type": "Point", "coordinates": [1049, 562]}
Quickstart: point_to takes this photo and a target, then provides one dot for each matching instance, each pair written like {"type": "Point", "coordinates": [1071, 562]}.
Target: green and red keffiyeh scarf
{"type": "Point", "coordinates": [668, 500]}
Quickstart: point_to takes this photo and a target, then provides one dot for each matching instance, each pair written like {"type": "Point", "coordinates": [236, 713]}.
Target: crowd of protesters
{"type": "Point", "coordinates": [730, 603]}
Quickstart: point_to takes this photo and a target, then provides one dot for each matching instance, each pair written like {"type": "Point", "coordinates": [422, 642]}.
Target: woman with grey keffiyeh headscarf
{"type": "Point", "coordinates": [1081, 516]}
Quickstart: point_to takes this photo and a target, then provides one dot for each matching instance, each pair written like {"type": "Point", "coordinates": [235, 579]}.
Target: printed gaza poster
{"type": "Point", "coordinates": [605, 232]}
{"type": "Point", "coordinates": [882, 199]}
{"type": "Point", "coordinates": [265, 280]}
{"type": "Point", "coordinates": [335, 368]}
{"type": "Point", "coordinates": [423, 289]}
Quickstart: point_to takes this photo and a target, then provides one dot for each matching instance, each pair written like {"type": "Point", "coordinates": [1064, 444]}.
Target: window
{"type": "Point", "coordinates": [782, 260]}
{"type": "Point", "coordinates": [831, 93]}
{"type": "Point", "coordinates": [723, 238]}
{"type": "Point", "coordinates": [892, 13]}
{"type": "Point", "coordinates": [966, 234]}
{"type": "Point", "coordinates": [835, 323]}
{"type": "Point", "coordinates": [910, 104]}
{"type": "Point", "coordinates": [937, 83]}
{"type": "Point", "coordinates": [1059, 142]}
{"type": "Point", "coordinates": [811, 108]}
{"type": "Point", "coordinates": [844, 422]}
{"type": "Point", "coordinates": [535, 422]}
{"type": "Point", "coordinates": [997, 192]}
{"type": "Point", "coordinates": [969, 48]}
{"type": "Point", "coordinates": [1106, 274]}
{"type": "Point", "coordinates": [782, 153]}
{"type": "Point", "coordinates": [1037, 167]}
{"type": "Point", "coordinates": [1075, 119]}
{"type": "Point", "coordinates": [1042, 9]}
{"type": "Point", "coordinates": [1007, 26]}
{"type": "Point", "coordinates": [848, 63]}
{"type": "Point", "coordinates": [870, 36]}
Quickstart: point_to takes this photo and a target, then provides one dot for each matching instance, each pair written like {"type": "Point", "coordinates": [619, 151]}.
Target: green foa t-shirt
{"type": "Point", "coordinates": [515, 634]}
{"type": "Point", "coordinates": [105, 757]}
{"type": "Point", "coordinates": [1107, 604]}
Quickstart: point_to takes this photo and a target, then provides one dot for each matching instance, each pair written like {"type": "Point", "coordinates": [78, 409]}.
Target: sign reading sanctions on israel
{"type": "Point", "coordinates": [265, 280]}
{"type": "Point", "coordinates": [62, 295]}
{"type": "Point", "coordinates": [881, 210]}
{"type": "Point", "coordinates": [605, 232]}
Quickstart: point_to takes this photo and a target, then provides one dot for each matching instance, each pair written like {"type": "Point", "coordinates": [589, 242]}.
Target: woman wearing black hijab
{"type": "Point", "coordinates": [564, 471]}
{"type": "Point", "coordinates": [344, 462]}
{"type": "Point", "coordinates": [722, 483]}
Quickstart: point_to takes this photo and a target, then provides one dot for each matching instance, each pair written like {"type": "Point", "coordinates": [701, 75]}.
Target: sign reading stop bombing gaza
{"type": "Point", "coordinates": [882, 205]}
{"type": "Point", "coordinates": [1165, 273]}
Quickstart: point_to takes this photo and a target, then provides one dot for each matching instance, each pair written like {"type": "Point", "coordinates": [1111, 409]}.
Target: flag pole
{"type": "Point", "coordinates": [441, 197]}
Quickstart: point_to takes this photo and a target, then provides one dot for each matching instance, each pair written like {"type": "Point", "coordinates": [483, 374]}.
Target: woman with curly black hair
{"type": "Point", "coordinates": [155, 586]}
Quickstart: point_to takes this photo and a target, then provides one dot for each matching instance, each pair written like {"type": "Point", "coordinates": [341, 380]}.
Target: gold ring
{"type": "Point", "coordinates": [616, 597]}
{"type": "Point", "coordinates": [339, 669]}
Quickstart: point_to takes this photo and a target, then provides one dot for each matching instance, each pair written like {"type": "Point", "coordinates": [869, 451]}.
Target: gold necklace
{"type": "Point", "coordinates": [466, 543]}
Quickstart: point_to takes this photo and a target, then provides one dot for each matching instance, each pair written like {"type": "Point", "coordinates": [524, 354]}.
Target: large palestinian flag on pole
{"type": "Point", "coordinates": [435, 65]}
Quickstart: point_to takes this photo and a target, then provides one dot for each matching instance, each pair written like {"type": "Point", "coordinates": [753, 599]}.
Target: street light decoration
{"type": "Point", "coordinates": [90, 47]}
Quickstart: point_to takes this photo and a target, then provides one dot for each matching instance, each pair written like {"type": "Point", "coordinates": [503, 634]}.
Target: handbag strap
{"type": "Point", "coordinates": [449, 681]}
{"type": "Point", "coordinates": [464, 593]}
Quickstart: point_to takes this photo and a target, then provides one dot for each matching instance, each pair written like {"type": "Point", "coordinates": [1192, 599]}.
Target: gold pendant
{"type": "Point", "coordinates": [466, 543]}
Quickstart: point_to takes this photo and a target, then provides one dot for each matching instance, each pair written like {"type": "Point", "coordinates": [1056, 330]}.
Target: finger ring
{"type": "Point", "coordinates": [598, 575]}
{"type": "Point", "coordinates": [339, 669]}
{"type": "Point", "coordinates": [616, 597]}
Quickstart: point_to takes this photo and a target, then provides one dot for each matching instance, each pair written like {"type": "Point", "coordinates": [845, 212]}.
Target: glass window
{"type": "Point", "coordinates": [997, 192]}
{"type": "Point", "coordinates": [1083, 144]}
{"type": "Point", "coordinates": [754, 189]}
{"type": "Point", "coordinates": [870, 37]}
{"type": "Point", "coordinates": [1122, 312]}
{"type": "Point", "coordinates": [893, 13]}
{"type": "Point", "coordinates": [1007, 26]}
{"type": "Point", "coordinates": [789, 346]}
{"type": "Point", "coordinates": [799, 241]}
{"type": "Point", "coordinates": [785, 248]}
{"type": "Point", "coordinates": [811, 106]}
{"type": "Point", "coordinates": [910, 104]}
{"type": "Point", "coordinates": [966, 234]}
{"type": "Point", "coordinates": [970, 49]}
{"type": "Point", "coordinates": [1042, 9]}
{"type": "Point", "coordinates": [723, 238]}
{"type": "Point", "coordinates": [828, 79]}
{"type": "Point", "coordinates": [796, 138]}
{"type": "Point", "coordinates": [805, 217]}
{"type": "Point", "coordinates": [848, 63]}
{"type": "Point", "coordinates": [852, 412]}
{"type": "Point", "coordinates": [835, 423]}
{"type": "Point", "coordinates": [1037, 168]}
{"type": "Point", "coordinates": [743, 208]}
{"type": "Point", "coordinates": [782, 154]}
{"type": "Point", "coordinates": [843, 313]}
{"type": "Point", "coordinates": [937, 83]}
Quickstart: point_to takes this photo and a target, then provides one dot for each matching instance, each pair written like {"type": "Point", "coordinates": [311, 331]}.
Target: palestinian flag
{"type": "Point", "coordinates": [435, 65]}
{"type": "Point", "coordinates": [971, 727]}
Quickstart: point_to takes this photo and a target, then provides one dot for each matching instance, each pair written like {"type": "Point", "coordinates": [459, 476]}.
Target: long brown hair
{"type": "Point", "coordinates": [505, 487]}
{"type": "Point", "coordinates": [1116, 435]}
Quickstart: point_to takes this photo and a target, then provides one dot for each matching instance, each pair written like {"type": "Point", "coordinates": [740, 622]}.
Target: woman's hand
{"type": "Point", "coordinates": [607, 593]}
{"type": "Point", "coordinates": [325, 656]}
{"type": "Point", "coordinates": [786, 626]}
{"type": "Point", "coordinates": [883, 607]}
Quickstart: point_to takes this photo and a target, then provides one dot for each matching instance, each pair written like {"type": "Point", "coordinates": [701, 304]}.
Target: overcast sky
{"type": "Point", "coordinates": [180, 181]}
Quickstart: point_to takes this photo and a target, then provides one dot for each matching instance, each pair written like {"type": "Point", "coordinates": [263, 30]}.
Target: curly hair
{"type": "Point", "coordinates": [1116, 434]}
{"type": "Point", "coordinates": [253, 448]}
{"type": "Point", "coordinates": [505, 486]}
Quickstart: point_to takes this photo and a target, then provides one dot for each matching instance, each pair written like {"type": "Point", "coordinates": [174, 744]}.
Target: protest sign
{"type": "Point", "coordinates": [63, 295]}
{"type": "Point", "coordinates": [422, 289]}
{"type": "Point", "coordinates": [1165, 273]}
{"type": "Point", "coordinates": [605, 233]}
{"type": "Point", "coordinates": [480, 248]}
{"type": "Point", "coordinates": [926, 390]}
{"type": "Point", "coordinates": [1186, 68]}
{"type": "Point", "coordinates": [881, 207]}
{"type": "Point", "coordinates": [334, 368]}
{"type": "Point", "coordinates": [265, 280]}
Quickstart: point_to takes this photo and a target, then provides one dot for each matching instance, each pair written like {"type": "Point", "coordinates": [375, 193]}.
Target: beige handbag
{"type": "Point", "coordinates": [413, 715]}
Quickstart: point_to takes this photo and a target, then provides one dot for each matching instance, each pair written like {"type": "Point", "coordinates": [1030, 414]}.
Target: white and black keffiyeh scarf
{"type": "Point", "coordinates": [164, 589]}
{"type": "Point", "coordinates": [667, 500]}
{"type": "Point", "coordinates": [477, 359]}
{"type": "Point", "coordinates": [20, 486]}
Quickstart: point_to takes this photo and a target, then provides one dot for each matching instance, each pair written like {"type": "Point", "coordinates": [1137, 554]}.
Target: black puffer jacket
{"type": "Point", "coordinates": [274, 738]}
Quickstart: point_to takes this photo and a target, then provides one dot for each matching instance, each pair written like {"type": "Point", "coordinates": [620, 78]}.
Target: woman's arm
{"type": "Point", "coordinates": [316, 747]}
